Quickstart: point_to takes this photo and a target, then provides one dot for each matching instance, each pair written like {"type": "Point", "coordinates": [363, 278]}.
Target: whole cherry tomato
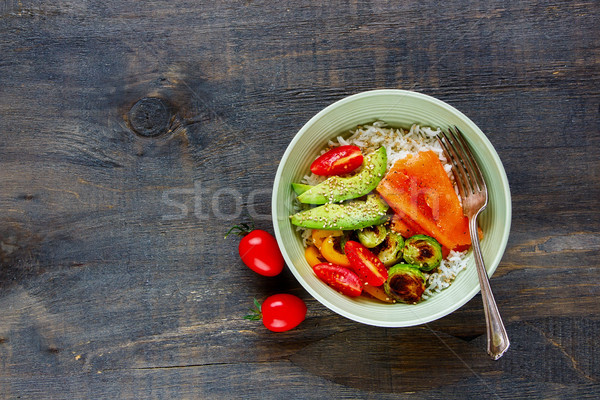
{"type": "Point", "coordinates": [280, 312]}
{"type": "Point", "coordinates": [337, 161]}
{"type": "Point", "coordinates": [366, 264]}
{"type": "Point", "coordinates": [258, 249]}
{"type": "Point", "coordinates": [341, 279]}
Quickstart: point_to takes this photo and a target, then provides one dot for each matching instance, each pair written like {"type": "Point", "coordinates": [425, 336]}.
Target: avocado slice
{"type": "Point", "coordinates": [300, 188]}
{"type": "Point", "coordinates": [336, 188]}
{"type": "Point", "coordinates": [355, 214]}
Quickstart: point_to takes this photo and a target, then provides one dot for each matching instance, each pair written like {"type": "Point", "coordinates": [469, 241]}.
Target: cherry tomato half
{"type": "Point", "coordinates": [366, 264]}
{"type": "Point", "coordinates": [337, 161]}
{"type": "Point", "coordinates": [282, 312]}
{"type": "Point", "coordinates": [341, 279]}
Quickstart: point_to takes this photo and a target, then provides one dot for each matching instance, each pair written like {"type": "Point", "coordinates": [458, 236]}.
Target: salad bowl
{"type": "Point", "coordinates": [401, 109]}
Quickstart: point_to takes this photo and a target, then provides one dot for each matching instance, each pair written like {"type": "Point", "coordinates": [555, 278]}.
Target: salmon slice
{"type": "Point", "coordinates": [419, 190]}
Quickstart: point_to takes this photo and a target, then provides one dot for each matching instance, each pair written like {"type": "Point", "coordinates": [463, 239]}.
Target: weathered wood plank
{"type": "Point", "coordinates": [115, 281]}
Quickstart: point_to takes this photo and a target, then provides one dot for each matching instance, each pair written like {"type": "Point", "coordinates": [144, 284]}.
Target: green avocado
{"type": "Point", "coordinates": [354, 214]}
{"type": "Point", "coordinates": [336, 188]}
{"type": "Point", "coordinates": [300, 188]}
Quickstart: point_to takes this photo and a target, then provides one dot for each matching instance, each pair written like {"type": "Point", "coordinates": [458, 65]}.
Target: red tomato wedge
{"type": "Point", "coordinates": [419, 190]}
{"type": "Point", "coordinates": [338, 161]}
{"type": "Point", "coordinates": [339, 278]}
{"type": "Point", "coordinates": [366, 264]}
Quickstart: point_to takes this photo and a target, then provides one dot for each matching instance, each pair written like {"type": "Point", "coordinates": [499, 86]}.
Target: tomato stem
{"type": "Point", "coordinates": [255, 313]}
{"type": "Point", "coordinates": [242, 229]}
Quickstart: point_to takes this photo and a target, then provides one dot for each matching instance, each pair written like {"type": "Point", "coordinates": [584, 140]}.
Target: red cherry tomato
{"type": "Point", "coordinates": [258, 249]}
{"type": "Point", "coordinates": [366, 264]}
{"type": "Point", "coordinates": [338, 161]}
{"type": "Point", "coordinates": [341, 279]}
{"type": "Point", "coordinates": [260, 252]}
{"type": "Point", "coordinates": [282, 312]}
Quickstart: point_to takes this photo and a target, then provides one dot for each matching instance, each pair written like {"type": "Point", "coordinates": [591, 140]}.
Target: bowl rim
{"type": "Point", "coordinates": [491, 265]}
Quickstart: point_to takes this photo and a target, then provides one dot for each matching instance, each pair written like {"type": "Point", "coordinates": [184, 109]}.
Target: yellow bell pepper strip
{"type": "Point", "coordinates": [313, 256]}
{"type": "Point", "coordinates": [331, 254]}
{"type": "Point", "coordinates": [318, 235]}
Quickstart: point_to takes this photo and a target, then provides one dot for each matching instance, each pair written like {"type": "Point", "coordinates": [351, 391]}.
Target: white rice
{"type": "Point", "coordinates": [399, 143]}
{"type": "Point", "coordinates": [445, 273]}
{"type": "Point", "coordinates": [306, 235]}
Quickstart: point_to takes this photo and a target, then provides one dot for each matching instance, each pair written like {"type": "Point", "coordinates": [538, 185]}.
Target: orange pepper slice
{"type": "Point", "coordinates": [378, 293]}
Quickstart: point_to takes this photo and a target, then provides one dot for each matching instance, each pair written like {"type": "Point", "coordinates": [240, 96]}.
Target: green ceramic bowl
{"type": "Point", "coordinates": [399, 108]}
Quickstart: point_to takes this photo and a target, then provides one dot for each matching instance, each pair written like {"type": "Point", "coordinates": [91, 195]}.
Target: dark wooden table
{"type": "Point", "coordinates": [115, 279]}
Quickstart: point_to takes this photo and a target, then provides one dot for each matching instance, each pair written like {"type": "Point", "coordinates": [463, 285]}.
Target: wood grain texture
{"type": "Point", "coordinates": [115, 279]}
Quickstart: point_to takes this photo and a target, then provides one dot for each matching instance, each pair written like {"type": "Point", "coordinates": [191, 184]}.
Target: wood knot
{"type": "Point", "coordinates": [149, 117]}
